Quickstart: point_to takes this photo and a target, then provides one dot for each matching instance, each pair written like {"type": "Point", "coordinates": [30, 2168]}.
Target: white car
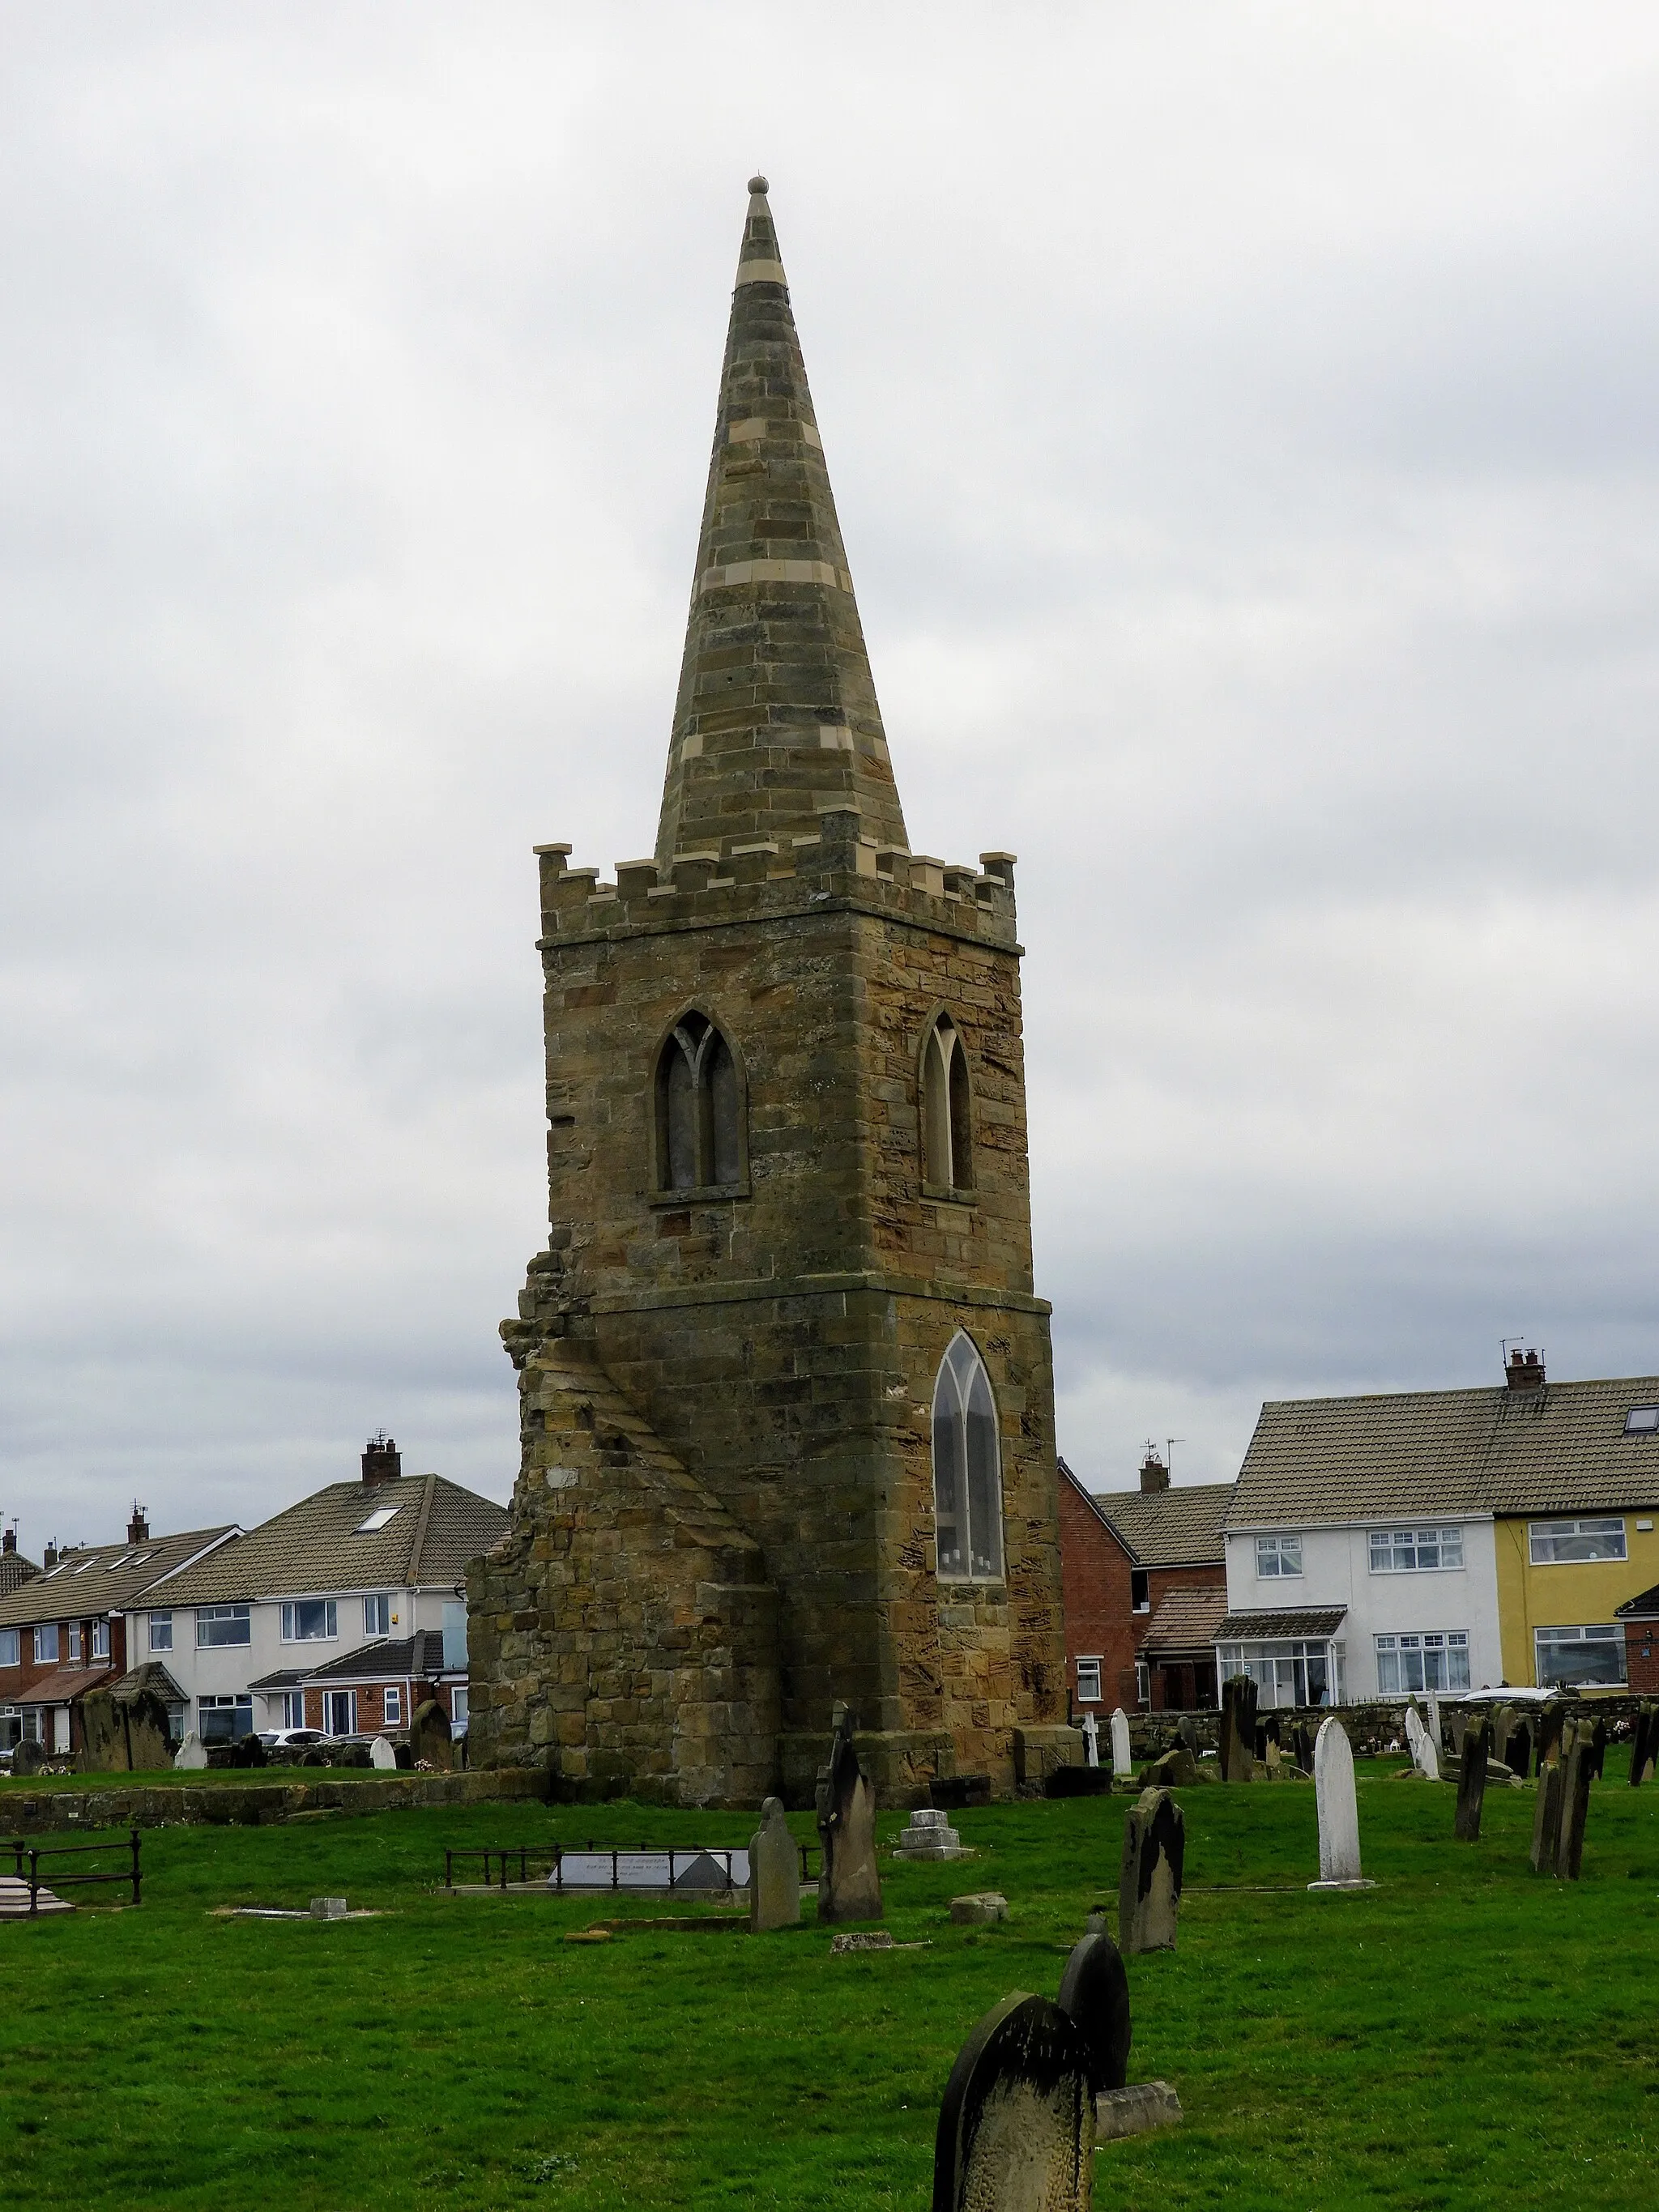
{"type": "Point", "coordinates": [290, 1739]}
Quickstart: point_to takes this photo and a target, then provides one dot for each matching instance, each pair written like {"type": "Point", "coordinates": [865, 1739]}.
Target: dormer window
{"type": "Point", "coordinates": [947, 1146]}
{"type": "Point", "coordinates": [700, 1136]}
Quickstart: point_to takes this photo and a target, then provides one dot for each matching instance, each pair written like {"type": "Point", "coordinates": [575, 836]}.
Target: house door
{"type": "Point", "coordinates": [60, 1733]}
{"type": "Point", "coordinates": [340, 1712]}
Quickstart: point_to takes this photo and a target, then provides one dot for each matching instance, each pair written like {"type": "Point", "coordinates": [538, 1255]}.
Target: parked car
{"type": "Point", "coordinates": [290, 1739]}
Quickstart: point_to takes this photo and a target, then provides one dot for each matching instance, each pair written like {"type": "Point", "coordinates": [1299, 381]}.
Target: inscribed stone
{"type": "Point", "coordinates": [1091, 1740]}
{"type": "Point", "coordinates": [1472, 1781]}
{"type": "Point", "coordinates": [430, 1736]}
{"type": "Point", "coordinates": [1425, 1753]}
{"type": "Point", "coordinates": [1645, 1744]}
{"type": "Point", "coordinates": [929, 1836]}
{"type": "Point", "coordinates": [191, 1753]}
{"type": "Point", "coordinates": [849, 1887]}
{"type": "Point", "coordinates": [1237, 1729]}
{"type": "Point", "coordinates": [1339, 1809]}
{"type": "Point", "coordinates": [1136, 2111]}
{"type": "Point", "coordinates": [1149, 1881]}
{"type": "Point", "coordinates": [1121, 1757]}
{"type": "Point", "coordinates": [1094, 1991]}
{"type": "Point", "coordinates": [774, 1872]}
{"type": "Point", "coordinates": [381, 1755]}
{"type": "Point", "coordinates": [148, 1738]}
{"type": "Point", "coordinates": [1579, 1755]}
{"type": "Point", "coordinates": [1017, 2128]}
{"type": "Point", "coordinates": [980, 1909]}
{"type": "Point", "coordinates": [103, 1738]}
{"type": "Point", "coordinates": [1547, 1818]}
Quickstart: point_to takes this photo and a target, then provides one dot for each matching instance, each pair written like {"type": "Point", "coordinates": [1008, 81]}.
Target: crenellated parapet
{"type": "Point", "coordinates": [747, 881]}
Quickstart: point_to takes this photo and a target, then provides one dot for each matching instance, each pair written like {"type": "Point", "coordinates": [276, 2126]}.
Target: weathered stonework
{"type": "Point", "coordinates": [724, 1519]}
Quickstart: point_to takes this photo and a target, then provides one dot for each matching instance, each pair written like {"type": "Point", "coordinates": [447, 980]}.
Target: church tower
{"type": "Point", "coordinates": [787, 1392]}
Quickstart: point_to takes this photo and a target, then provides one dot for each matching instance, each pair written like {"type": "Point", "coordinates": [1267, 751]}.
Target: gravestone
{"type": "Point", "coordinates": [1094, 1992]}
{"type": "Point", "coordinates": [328, 1908]}
{"type": "Point", "coordinates": [1518, 1747]}
{"type": "Point", "coordinates": [774, 1873]}
{"type": "Point", "coordinates": [1645, 1744]}
{"type": "Point", "coordinates": [1122, 1757]}
{"type": "Point", "coordinates": [1552, 1718]}
{"type": "Point", "coordinates": [1174, 1769]}
{"type": "Point", "coordinates": [703, 1871]}
{"type": "Point", "coordinates": [1237, 1728]}
{"type": "Point", "coordinates": [1425, 1756]}
{"type": "Point", "coordinates": [1432, 1701]}
{"type": "Point", "coordinates": [382, 1754]}
{"type": "Point", "coordinates": [28, 1757]}
{"type": "Point", "coordinates": [1186, 1730]}
{"type": "Point", "coordinates": [148, 1738]}
{"type": "Point", "coordinates": [430, 1737]}
{"type": "Point", "coordinates": [1580, 1753]}
{"type": "Point", "coordinates": [1472, 1781]}
{"type": "Point", "coordinates": [982, 1909]}
{"type": "Point", "coordinates": [1149, 1882]}
{"type": "Point", "coordinates": [1017, 2124]}
{"type": "Point", "coordinates": [103, 1738]}
{"type": "Point", "coordinates": [849, 1887]}
{"type": "Point", "coordinates": [930, 1835]}
{"type": "Point", "coordinates": [1303, 1737]}
{"type": "Point", "coordinates": [1598, 1750]}
{"type": "Point", "coordinates": [1547, 1818]}
{"type": "Point", "coordinates": [1091, 1740]}
{"type": "Point", "coordinates": [1338, 1810]}
{"type": "Point", "coordinates": [192, 1754]}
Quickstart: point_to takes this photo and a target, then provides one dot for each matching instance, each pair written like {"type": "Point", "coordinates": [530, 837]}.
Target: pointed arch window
{"type": "Point", "coordinates": [967, 1467]}
{"type": "Point", "coordinates": [701, 1139]}
{"type": "Point", "coordinates": [947, 1144]}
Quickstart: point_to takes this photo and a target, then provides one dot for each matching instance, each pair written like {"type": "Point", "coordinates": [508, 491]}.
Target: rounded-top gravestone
{"type": "Point", "coordinates": [192, 1754]}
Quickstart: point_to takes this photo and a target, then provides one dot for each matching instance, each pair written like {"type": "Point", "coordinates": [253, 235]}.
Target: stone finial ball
{"type": "Point", "coordinates": [758, 185]}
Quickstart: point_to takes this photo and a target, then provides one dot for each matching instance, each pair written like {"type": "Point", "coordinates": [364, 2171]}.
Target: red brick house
{"type": "Point", "coordinates": [1146, 1589]}
{"type": "Point", "coordinates": [1640, 1616]}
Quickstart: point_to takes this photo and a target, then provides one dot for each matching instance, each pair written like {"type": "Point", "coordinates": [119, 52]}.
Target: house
{"type": "Point", "coordinates": [1145, 1587]}
{"type": "Point", "coordinates": [15, 1569]}
{"type": "Point", "coordinates": [63, 1631]}
{"type": "Point", "coordinates": [1639, 1618]}
{"type": "Point", "coordinates": [1442, 1538]}
{"type": "Point", "coordinates": [338, 1613]}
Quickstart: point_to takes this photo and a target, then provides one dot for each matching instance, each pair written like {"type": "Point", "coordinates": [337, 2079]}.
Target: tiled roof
{"type": "Point", "coordinates": [1558, 1450]}
{"type": "Point", "coordinates": [391, 1660]}
{"type": "Point", "coordinates": [69, 1682]}
{"type": "Point", "coordinates": [1179, 1527]}
{"type": "Point", "coordinates": [15, 1569]}
{"type": "Point", "coordinates": [151, 1675]}
{"type": "Point", "coordinates": [1187, 1620]}
{"type": "Point", "coordinates": [1643, 1608]}
{"type": "Point", "coordinates": [103, 1578]}
{"type": "Point", "coordinates": [319, 1544]}
{"type": "Point", "coordinates": [1307, 1620]}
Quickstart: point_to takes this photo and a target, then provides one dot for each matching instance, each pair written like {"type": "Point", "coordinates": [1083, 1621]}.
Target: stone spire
{"type": "Point", "coordinates": [776, 719]}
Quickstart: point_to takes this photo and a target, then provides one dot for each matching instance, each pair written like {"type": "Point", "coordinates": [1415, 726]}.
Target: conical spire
{"type": "Point", "coordinates": [776, 719]}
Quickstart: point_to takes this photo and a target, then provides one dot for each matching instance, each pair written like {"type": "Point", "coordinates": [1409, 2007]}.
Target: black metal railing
{"type": "Point", "coordinates": [548, 1863]}
{"type": "Point", "coordinates": [26, 1859]}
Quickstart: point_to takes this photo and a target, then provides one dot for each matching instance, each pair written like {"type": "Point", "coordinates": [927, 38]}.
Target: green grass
{"type": "Point", "coordinates": [1463, 2035]}
{"type": "Point", "coordinates": [184, 1777]}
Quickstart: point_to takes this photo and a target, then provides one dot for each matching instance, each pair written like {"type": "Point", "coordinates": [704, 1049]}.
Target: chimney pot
{"type": "Point", "coordinates": [138, 1526]}
{"type": "Point", "coordinates": [1154, 1476]}
{"type": "Point", "coordinates": [49, 1557]}
{"type": "Point", "coordinates": [9, 1542]}
{"type": "Point", "coordinates": [1525, 1373]}
{"type": "Point", "coordinates": [381, 1460]}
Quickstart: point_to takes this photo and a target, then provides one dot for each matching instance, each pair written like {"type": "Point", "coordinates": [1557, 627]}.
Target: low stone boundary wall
{"type": "Point", "coordinates": [252, 1805]}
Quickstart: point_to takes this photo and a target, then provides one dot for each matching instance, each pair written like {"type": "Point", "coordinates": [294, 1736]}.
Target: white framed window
{"type": "Point", "coordinates": [310, 1620]}
{"type": "Point", "coordinates": [377, 1616]}
{"type": "Point", "coordinates": [340, 1712]}
{"type": "Point", "coordinates": [1143, 1683]}
{"type": "Point", "coordinates": [1577, 1657]}
{"type": "Point", "coordinates": [100, 1639]}
{"type": "Point", "coordinates": [1438, 1660]}
{"type": "Point", "coordinates": [1287, 1670]}
{"type": "Point", "coordinates": [74, 1639]}
{"type": "Point", "coordinates": [293, 1709]}
{"type": "Point", "coordinates": [1088, 1681]}
{"type": "Point", "coordinates": [1415, 1551]}
{"type": "Point", "coordinates": [161, 1631]}
{"type": "Point", "coordinates": [46, 1643]}
{"type": "Point", "coordinates": [10, 1651]}
{"type": "Point", "coordinates": [220, 1624]}
{"type": "Point", "coordinates": [1642, 1421]}
{"type": "Point", "coordinates": [394, 1706]}
{"type": "Point", "coordinates": [226, 1719]}
{"type": "Point", "coordinates": [458, 1707]}
{"type": "Point", "coordinates": [1278, 1557]}
{"type": "Point", "coordinates": [1569, 1543]}
{"type": "Point", "coordinates": [967, 1470]}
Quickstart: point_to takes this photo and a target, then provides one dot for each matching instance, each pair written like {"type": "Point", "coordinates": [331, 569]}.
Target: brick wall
{"type": "Point", "coordinates": [1642, 1656]}
{"type": "Point", "coordinates": [1100, 1619]}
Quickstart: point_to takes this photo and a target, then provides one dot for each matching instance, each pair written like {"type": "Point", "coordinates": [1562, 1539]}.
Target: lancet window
{"type": "Point", "coordinates": [699, 1109]}
{"type": "Point", "coordinates": [947, 1150]}
{"type": "Point", "coordinates": [967, 1467]}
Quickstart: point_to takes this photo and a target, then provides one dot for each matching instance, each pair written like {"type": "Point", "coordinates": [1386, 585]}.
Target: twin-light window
{"type": "Point", "coordinates": [1276, 1557]}
{"type": "Point", "coordinates": [217, 1625]}
{"type": "Point", "coordinates": [310, 1620]}
{"type": "Point", "coordinates": [1569, 1543]}
{"type": "Point", "coordinates": [1415, 1551]}
{"type": "Point", "coordinates": [45, 1642]}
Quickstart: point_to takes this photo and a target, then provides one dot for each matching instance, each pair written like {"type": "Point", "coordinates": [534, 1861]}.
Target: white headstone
{"type": "Point", "coordinates": [1434, 1721]}
{"type": "Point", "coordinates": [1091, 1740]}
{"type": "Point", "coordinates": [381, 1755]}
{"type": "Point", "coordinates": [1339, 1809]}
{"type": "Point", "coordinates": [1424, 1758]}
{"type": "Point", "coordinates": [1122, 1761]}
{"type": "Point", "coordinates": [191, 1753]}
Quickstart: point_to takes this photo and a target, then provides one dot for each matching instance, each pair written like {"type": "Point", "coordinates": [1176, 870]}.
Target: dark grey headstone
{"type": "Point", "coordinates": [1237, 1729]}
{"type": "Point", "coordinates": [1547, 1818]}
{"type": "Point", "coordinates": [430, 1737]}
{"type": "Point", "coordinates": [103, 1738]}
{"type": "Point", "coordinates": [1303, 1740]}
{"type": "Point", "coordinates": [1580, 1754]}
{"type": "Point", "coordinates": [849, 1887]}
{"type": "Point", "coordinates": [1187, 1730]}
{"type": "Point", "coordinates": [1094, 1990]}
{"type": "Point", "coordinates": [1519, 1745]}
{"type": "Point", "coordinates": [1017, 2125]}
{"type": "Point", "coordinates": [1552, 1719]}
{"type": "Point", "coordinates": [1598, 1747]}
{"type": "Point", "coordinates": [1149, 1882]}
{"type": "Point", "coordinates": [1472, 1781]}
{"type": "Point", "coordinates": [28, 1757]}
{"type": "Point", "coordinates": [1644, 1744]}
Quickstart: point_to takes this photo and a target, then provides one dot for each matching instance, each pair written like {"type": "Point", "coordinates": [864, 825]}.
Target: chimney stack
{"type": "Point", "coordinates": [49, 1557]}
{"type": "Point", "coordinates": [1526, 1374]}
{"type": "Point", "coordinates": [138, 1528]}
{"type": "Point", "coordinates": [381, 1462]}
{"type": "Point", "coordinates": [9, 1542]}
{"type": "Point", "coordinates": [1154, 1476]}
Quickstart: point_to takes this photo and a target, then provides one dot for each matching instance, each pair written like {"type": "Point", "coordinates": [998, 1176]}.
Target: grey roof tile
{"type": "Point", "coordinates": [1179, 1527]}
{"type": "Point", "coordinates": [102, 1578]}
{"type": "Point", "coordinates": [1281, 1620]}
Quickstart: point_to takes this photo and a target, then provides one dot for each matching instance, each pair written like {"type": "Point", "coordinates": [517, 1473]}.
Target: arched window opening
{"type": "Point", "coordinates": [967, 1469]}
{"type": "Point", "coordinates": [946, 1130]}
{"type": "Point", "coordinates": [699, 1109]}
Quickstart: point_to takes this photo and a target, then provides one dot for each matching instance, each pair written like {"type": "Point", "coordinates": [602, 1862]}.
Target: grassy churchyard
{"type": "Point", "coordinates": [1466, 2034]}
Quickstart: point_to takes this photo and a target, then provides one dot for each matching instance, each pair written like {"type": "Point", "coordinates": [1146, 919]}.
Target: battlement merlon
{"type": "Point", "coordinates": [750, 880]}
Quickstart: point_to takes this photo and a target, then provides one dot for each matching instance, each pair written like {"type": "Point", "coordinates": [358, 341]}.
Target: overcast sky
{"type": "Point", "coordinates": [1245, 425]}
